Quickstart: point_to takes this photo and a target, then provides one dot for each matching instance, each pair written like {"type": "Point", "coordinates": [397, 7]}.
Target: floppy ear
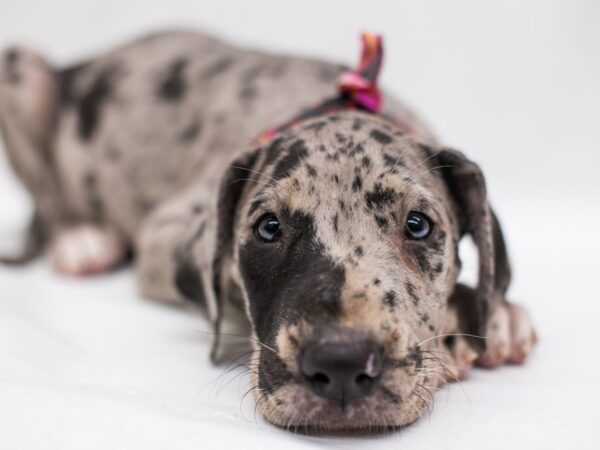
{"type": "Point", "coordinates": [233, 185]}
{"type": "Point", "coordinates": [466, 185]}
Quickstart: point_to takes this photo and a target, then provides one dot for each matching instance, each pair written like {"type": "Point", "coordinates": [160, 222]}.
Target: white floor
{"type": "Point", "coordinates": [89, 364]}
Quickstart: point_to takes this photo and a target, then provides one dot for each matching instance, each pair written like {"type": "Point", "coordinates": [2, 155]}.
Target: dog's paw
{"type": "Point", "coordinates": [510, 336]}
{"type": "Point", "coordinates": [86, 250]}
{"type": "Point", "coordinates": [459, 358]}
{"type": "Point", "coordinates": [456, 355]}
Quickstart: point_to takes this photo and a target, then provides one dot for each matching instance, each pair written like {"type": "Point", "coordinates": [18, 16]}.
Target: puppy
{"type": "Point", "coordinates": [335, 240]}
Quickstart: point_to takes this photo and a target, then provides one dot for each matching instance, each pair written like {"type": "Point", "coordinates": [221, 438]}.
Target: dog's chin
{"type": "Point", "coordinates": [295, 408]}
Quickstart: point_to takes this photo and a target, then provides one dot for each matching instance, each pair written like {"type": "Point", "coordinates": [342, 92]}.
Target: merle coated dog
{"type": "Point", "coordinates": [336, 241]}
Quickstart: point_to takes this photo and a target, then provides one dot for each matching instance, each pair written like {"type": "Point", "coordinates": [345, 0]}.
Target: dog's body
{"type": "Point", "coordinates": [134, 149]}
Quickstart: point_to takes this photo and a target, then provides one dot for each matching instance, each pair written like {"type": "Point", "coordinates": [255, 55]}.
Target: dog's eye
{"type": "Point", "coordinates": [268, 228]}
{"type": "Point", "coordinates": [417, 225]}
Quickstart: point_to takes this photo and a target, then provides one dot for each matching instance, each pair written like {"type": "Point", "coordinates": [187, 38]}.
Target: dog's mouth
{"type": "Point", "coordinates": [297, 408]}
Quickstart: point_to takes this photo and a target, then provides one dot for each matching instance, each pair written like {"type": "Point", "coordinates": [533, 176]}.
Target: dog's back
{"type": "Point", "coordinates": [147, 118]}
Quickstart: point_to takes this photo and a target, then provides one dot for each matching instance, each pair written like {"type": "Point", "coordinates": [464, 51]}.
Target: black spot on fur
{"type": "Point", "coordinates": [250, 74]}
{"type": "Point", "coordinates": [190, 133]}
{"type": "Point", "coordinates": [11, 59]}
{"type": "Point", "coordinates": [380, 197]}
{"type": "Point", "coordinates": [410, 290]}
{"type": "Point", "coordinates": [438, 241]}
{"type": "Point", "coordinates": [143, 205]}
{"type": "Point", "coordinates": [358, 251]}
{"type": "Point", "coordinates": [416, 356]}
{"type": "Point", "coordinates": [356, 150]}
{"type": "Point", "coordinates": [381, 137]}
{"type": "Point", "coordinates": [333, 156]}
{"type": "Point", "coordinates": [316, 126]}
{"type": "Point", "coordinates": [273, 150]}
{"type": "Point", "coordinates": [366, 162]}
{"type": "Point", "coordinates": [247, 93]}
{"type": "Point", "coordinates": [197, 209]}
{"type": "Point", "coordinates": [295, 154]}
{"type": "Point", "coordinates": [335, 222]}
{"type": "Point", "coordinates": [357, 124]}
{"type": "Point", "coordinates": [112, 153]}
{"type": "Point", "coordinates": [382, 222]}
{"type": "Point", "coordinates": [90, 180]}
{"type": "Point", "coordinates": [173, 86]}
{"type": "Point", "coordinates": [91, 102]}
{"type": "Point", "coordinates": [340, 138]}
{"type": "Point", "coordinates": [391, 161]}
{"type": "Point", "coordinates": [390, 299]}
{"type": "Point", "coordinates": [376, 281]}
{"type": "Point", "coordinates": [335, 179]}
{"type": "Point", "coordinates": [422, 257]}
{"type": "Point", "coordinates": [357, 183]}
{"type": "Point", "coordinates": [311, 171]}
{"type": "Point", "coordinates": [216, 68]}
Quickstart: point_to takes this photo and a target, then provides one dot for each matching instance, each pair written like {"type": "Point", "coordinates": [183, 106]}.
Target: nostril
{"type": "Point", "coordinates": [319, 378]}
{"type": "Point", "coordinates": [363, 379]}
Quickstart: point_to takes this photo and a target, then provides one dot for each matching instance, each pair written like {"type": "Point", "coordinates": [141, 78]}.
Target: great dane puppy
{"type": "Point", "coordinates": [336, 241]}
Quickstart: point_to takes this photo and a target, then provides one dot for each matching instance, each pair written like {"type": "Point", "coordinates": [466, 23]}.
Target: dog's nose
{"type": "Point", "coordinates": [342, 371]}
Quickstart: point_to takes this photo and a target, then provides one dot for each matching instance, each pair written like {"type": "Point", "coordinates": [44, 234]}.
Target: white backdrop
{"type": "Point", "coordinates": [514, 84]}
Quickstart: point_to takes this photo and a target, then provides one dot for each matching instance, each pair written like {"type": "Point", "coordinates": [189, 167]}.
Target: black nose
{"type": "Point", "coordinates": [341, 370]}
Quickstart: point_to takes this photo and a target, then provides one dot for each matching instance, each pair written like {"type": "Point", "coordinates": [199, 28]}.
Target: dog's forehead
{"type": "Point", "coordinates": [349, 160]}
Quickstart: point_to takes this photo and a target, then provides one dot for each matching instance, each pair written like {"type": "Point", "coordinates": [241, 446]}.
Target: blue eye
{"type": "Point", "coordinates": [417, 226]}
{"type": "Point", "coordinates": [268, 228]}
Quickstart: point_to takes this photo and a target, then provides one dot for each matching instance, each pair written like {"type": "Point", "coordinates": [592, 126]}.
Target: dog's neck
{"type": "Point", "coordinates": [357, 90]}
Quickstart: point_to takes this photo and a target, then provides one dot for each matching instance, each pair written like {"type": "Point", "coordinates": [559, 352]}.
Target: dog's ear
{"type": "Point", "coordinates": [466, 185]}
{"type": "Point", "coordinates": [240, 174]}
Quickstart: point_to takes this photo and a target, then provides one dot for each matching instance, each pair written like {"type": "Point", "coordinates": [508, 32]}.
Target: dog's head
{"type": "Point", "coordinates": [342, 234]}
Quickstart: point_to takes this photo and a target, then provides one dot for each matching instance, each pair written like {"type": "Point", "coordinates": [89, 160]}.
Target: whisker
{"type": "Point", "coordinates": [451, 334]}
{"type": "Point", "coordinates": [241, 336]}
{"type": "Point", "coordinates": [237, 180]}
{"type": "Point", "coordinates": [419, 164]}
{"type": "Point", "coordinates": [256, 172]}
{"type": "Point", "coordinates": [241, 372]}
{"type": "Point", "coordinates": [411, 179]}
{"type": "Point", "coordinates": [430, 394]}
